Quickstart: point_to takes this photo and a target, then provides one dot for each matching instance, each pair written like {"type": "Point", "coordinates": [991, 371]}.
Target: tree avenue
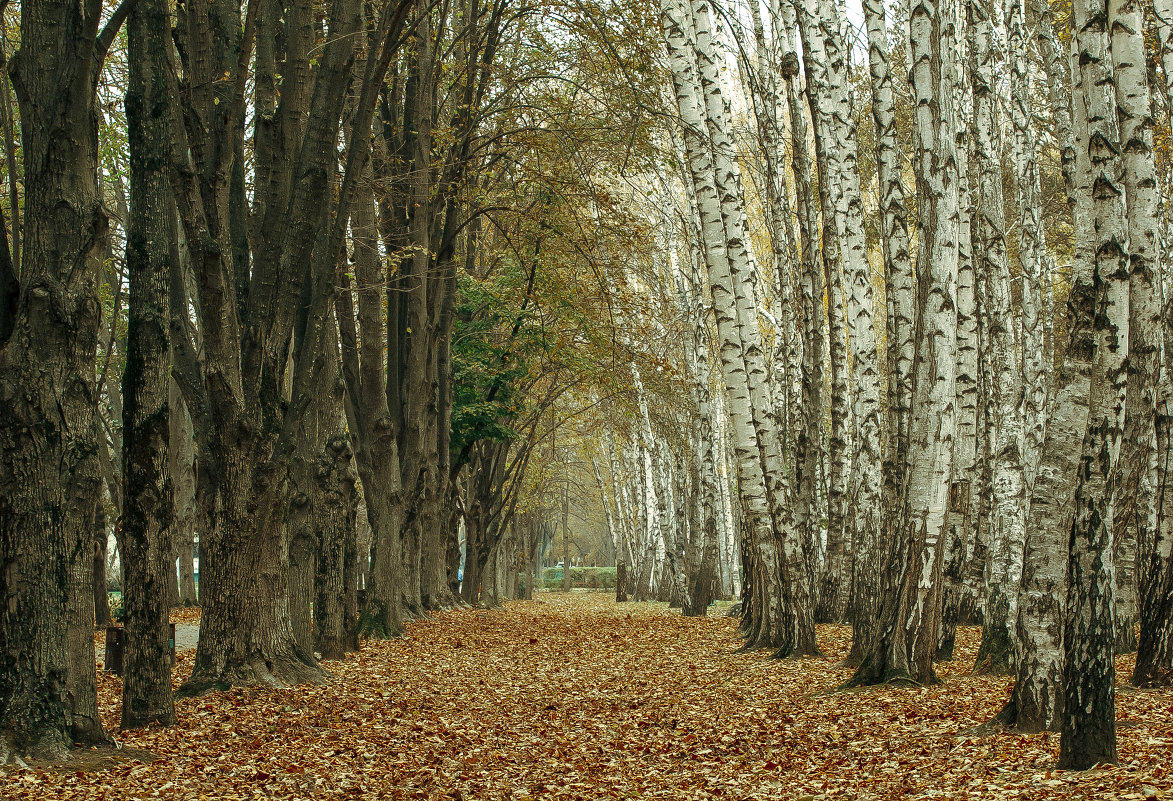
{"type": "Point", "coordinates": [328, 316]}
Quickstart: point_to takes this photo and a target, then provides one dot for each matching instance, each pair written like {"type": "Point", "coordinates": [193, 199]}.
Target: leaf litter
{"type": "Point", "coordinates": [578, 697]}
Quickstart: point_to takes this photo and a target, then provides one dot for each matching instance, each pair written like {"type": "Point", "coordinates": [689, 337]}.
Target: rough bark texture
{"type": "Point", "coordinates": [838, 146]}
{"type": "Point", "coordinates": [363, 334]}
{"type": "Point", "coordinates": [1147, 332]}
{"type": "Point", "coordinates": [821, 95]}
{"type": "Point", "coordinates": [909, 621]}
{"type": "Point", "coordinates": [1004, 563]}
{"type": "Point", "coordinates": [251, 285]}
{"type": "Point", "coordinates": [335, 510]}
{"type": "Point", "coordinates": [1154, 653]}
{"type": "Point", "coordinates": [49, 473]}
{"type": "Point", "coordinates": [148, 511]}
{"type": "Point", "coordinates": [1089, 715]}
{"type": "Point", "coordinates": [809, 440]}
{"type": "Point", "coordinates": [899, 290]}
{"type": "Point", "coordinates": [1038, 699]}
{"type": "Point", "coordinates": [1137, 482]}
{"type": "Point", "coordinates": [1033, 255]}
{"type": "Point", "coordinates": [704, 110]}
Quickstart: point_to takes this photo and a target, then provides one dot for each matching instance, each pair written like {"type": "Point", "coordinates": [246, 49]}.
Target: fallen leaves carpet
{"type": "Point", "coordinates": [582, 698]}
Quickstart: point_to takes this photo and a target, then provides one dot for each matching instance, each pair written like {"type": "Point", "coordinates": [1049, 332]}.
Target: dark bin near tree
{"type": "Point", "coordinates": [116, 647]}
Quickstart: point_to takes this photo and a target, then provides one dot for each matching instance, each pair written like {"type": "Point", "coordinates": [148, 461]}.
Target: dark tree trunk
{"type": "Point", "coordinates": [1154, 651]}
{"type": "Point", "coordinates": [148, 511]}
{"type": "Point", "coordinates": [363, 337]}
{"type": "Point", "coordinates": [434, 581]}
{"type": "Point", "coordinates": [101, 594]}
{"type": "Point", "coordinates": [334, 518]}
{"type": "Point", "coordinates": [181, 455]}
{"type": "Point", "coordinates": [350, 579]}
{"type": "Point", "coordinates": [248, 298]}
{"type": "Point", "coordinates": [302, 553]}
{"type": "Point", "coordinates": [49, 473]}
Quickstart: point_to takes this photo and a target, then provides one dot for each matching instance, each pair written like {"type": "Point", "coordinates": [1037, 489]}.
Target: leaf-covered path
{"type": "Point", "coordinates": [580, 697]}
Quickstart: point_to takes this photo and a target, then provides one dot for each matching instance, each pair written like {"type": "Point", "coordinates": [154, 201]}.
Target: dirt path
{"type": "Point", "coordinates": [582, 698]}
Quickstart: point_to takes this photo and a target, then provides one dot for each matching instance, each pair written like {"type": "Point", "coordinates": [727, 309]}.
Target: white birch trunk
{"type": "Point", "coordinates": [864, 496]}
{"type": "Point", "coordinates": [703, 570]}
{"type": "Point", "coordinates": [1037, 700]}
{"type": "Point", "coordinates": [1088, 733]}
{"type": "Point", "coordinates": [751, 480]}
{"type": "Point", "coordinates": [809, 437]}
{"type": "Point", "coordinates": [909, 624]}
{"type": "Point", "coordinates": [1163, 13]}
{"type": "Point", "coordinates": [1136, 485]}
{"type": "Point", "coordinates": [1033, 255]}
{"type": "Point", "coordinates": [960, 523]}
{"type": "Point", "coordinates": [822, 74]}
{"type": "Point", "coordinates": [774, 620]}
{"type": "Point", "coordinates": [1007, 515]}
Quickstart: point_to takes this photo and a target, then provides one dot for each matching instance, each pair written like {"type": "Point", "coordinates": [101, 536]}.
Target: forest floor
{"type": "Point", "coordinates": [582, 698]}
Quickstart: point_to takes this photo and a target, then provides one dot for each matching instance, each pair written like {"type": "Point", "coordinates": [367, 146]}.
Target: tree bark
{"type": "Point", "coordinates": [181, 466]}
{"type": "Point", "coordinates": [1006, 533]}
{"type": "Point", "coordinates": [1137, 483]}
{"type": "Point", "coordinates": [49, 474]}
{"type": "Point", "coordinates": [898, 277]}
{"type": "Point", "coordinates": [148, 512]}
{"type": "Point", "coordinates": [1038, 698]}
{"type": "Point", "coordinates": [1088, 734]}
{"type": "Point", "coordinates": [909, 621]}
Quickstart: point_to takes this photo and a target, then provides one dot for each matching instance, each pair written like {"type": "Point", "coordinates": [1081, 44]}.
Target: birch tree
{"type": "Point", "coordinates": [1004, 564]}
{"type": "Point", "coordinates": [1089, 715]}
{"type": "Point", "coordinates": [824, 84]}
{"type": "Point", "coordinates": [772, 620]}
{"type": "Point", "coordinates": [909, 621]}
{"type": "Point", "coordinates": [865, 522]}
{"type": "Point", "coordinates": [898, 279]}
{"type": "Point", "coordinates": [1137, 483]}
{"type": "Point", "coordinates": [1147, 331]}
{"type": "Point", "coordinates": [1038, 699]}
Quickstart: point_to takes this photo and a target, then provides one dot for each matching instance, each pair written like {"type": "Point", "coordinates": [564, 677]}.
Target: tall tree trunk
{"type": "Point", "coordinates": [785, 617]}
{"type": "Point", "coordinates": [899, 290]}
{"type": "Point", "coordinates": [909, 621]}
{"type": "Point", "coordinates": [864, 524]}
{"type": "Point", "coordinates": [148, 510]}
{"type": "Point", "coordinates": [1137, 483]}
{"type": "Point", "coordinates": [181, 467]}
{"type": "Point", "coordinates": [363, 334]}
{"type": "Point", "coordinates": [1089, 715]}
{"type": "Point", "coordinates": [49, 474]}
{"type": "Point", "coordinates": [821, 83]}
{"type": "Point", "coordinates": [1154, 663]}
{"type": "Point", "coordinates": [680, 39]}
{"type": "Point", "coordinates": [1037, 702]}
{"type": "Point", "coordinates": [809, 440]}
{"type": "Point", "coordinates": [1154, 653]}
{"type": "Point", "coordinates": [1006, 534]}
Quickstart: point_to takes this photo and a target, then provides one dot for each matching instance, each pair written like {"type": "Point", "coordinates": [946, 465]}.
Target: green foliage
{"type": "Point", "coordinates": [490, 363]}
{"type": "Point", "coordinates": [595, 578]}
